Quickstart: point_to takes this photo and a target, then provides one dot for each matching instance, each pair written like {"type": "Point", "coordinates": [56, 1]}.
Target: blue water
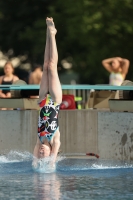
{"type": "Point", "coordinates": [73, 179]}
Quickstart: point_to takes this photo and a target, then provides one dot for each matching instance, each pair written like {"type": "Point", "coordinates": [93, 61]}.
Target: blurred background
{"type": "Point", "coordinates": [88, 31]}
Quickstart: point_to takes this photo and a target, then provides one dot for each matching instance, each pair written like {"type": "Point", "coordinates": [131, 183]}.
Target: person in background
{"type": "Point", "coordinates": [50, 98]}
{"type": "Point", "coordinates": [7, 79]}
{"type": "Point", "coordinates": [36, 75]}
{"type": "Point", "coordinates": [118, 68]}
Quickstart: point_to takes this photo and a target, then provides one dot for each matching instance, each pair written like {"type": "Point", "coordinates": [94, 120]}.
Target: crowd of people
{"type": "Point", "coordinates": [117, 67]}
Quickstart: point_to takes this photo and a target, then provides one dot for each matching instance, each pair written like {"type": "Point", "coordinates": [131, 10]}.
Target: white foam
{"type": "Point", "coordinates": [45, 166]}
{"type": "Point", "coordinates": [96, 166]}
{"type": "Point", "coordinates": [15, 156]}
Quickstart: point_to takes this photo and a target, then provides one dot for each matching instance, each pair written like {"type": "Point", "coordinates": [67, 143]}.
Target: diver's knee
{"type": "Point", "coordinates": [45, 65]}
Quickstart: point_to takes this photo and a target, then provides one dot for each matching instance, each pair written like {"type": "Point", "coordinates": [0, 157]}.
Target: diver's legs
{"type": "Point", "coordinates": [44, 81]}
{"type": "Point", "coordinates": [54, 83]}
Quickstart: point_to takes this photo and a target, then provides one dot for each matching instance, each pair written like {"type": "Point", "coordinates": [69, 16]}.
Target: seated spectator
{"type": "Point", "coordinates": [7, 79]}
{"type": "Point", "coordinates": [35, 77]}
{"type": "Point", "coordinates": [118, 68]}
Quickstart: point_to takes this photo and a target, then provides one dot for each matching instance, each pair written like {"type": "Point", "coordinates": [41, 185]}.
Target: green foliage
{"type": "Point", "coordinates": [88, 32]}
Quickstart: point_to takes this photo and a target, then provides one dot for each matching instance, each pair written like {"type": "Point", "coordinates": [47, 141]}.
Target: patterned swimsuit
{"type": "Point", "coordinates": [48, 118]}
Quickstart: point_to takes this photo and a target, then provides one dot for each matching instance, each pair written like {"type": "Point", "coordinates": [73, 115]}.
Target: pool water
{"type": "Point", "coordinates": [73, 179]}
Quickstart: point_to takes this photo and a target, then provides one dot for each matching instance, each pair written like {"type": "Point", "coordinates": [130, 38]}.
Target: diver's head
{"type": "Point", "coordinates": [44, 150]}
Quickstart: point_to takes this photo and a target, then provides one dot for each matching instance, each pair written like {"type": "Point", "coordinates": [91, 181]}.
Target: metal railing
{"type": "Point", "coordinates": [81, 92]}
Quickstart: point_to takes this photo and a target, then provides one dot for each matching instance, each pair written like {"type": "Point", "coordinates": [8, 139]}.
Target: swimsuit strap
{"type": "Point", "coordinates": [7, 81]}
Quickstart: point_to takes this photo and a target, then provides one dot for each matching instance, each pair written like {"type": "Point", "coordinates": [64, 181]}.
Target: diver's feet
{"type": "Point", "coordinates": [51, 26]}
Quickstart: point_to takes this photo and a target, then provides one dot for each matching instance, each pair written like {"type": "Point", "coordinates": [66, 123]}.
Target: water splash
{"type": "Point", "coordinates": [22, 161]}
{"type": "Point", "coordinates": [101, 166]}
{"type": "Point", "coordinates": [45, 165]}
{"type": "Point", "coordinates": [15, 156]}
{"type": "Point", "coordinates": [72, 165]}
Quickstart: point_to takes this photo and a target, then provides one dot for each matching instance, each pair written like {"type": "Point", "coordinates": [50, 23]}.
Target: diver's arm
{"type": "Point", "coordinates": [55, 146]}
{"type": "Point", "coordinates": [35, 153]}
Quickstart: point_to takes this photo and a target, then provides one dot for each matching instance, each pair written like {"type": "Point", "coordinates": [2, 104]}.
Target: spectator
{"type": "Point", "coordinates": [36, 75]}
{"type": "Point", "coordinates": [7, 79]}
{"type": "Point", "coordinates": [118, 68]}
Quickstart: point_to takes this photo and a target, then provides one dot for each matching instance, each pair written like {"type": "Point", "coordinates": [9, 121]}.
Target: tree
{"type": "Point", "coordinates": [88, 32]}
